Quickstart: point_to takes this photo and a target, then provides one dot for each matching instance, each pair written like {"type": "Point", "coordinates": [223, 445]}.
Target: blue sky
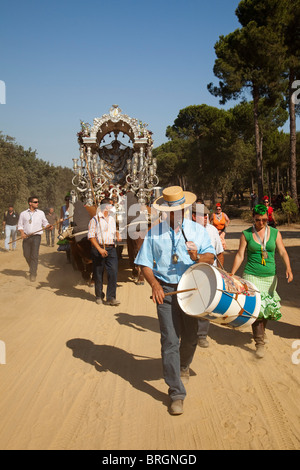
{"type": "Point", "coordinates": [66, 61]}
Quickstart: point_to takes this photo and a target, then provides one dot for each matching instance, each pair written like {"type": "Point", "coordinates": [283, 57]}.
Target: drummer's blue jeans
{"type": "Point", "coordinates": [178, 342]}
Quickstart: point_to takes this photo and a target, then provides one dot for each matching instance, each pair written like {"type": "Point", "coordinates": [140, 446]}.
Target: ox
{"type": "Point", "coordinates": [138, 221]}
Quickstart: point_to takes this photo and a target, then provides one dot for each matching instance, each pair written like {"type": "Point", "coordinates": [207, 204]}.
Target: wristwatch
{"type": "Point", "coordinates": [198, 257]}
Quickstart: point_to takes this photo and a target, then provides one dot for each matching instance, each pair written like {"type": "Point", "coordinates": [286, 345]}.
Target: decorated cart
{"type": "Point", "coordinates": [111, 169]}
{"type": "Point", "coordinates": [115, 161]}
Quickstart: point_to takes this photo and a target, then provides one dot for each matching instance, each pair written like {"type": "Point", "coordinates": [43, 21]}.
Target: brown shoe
{"type": "Point", "coordinates": [176, 407]}
{"type": "Point", "coordinates": [113, 302]}
{"type": "Point", "coordinates": [203, 343]}
{"type": "Point", "coordinates": [260, 351]}
{"type": "Point", "coordinates": [185, 375]}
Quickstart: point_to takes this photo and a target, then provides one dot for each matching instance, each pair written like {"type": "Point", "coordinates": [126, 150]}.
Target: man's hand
{"type": "Point", "coordinates": [192, 250]}
{"type": "Point", "coordinates": [103, 252]}
{"type": "Point", "coordinates": [158, 294]}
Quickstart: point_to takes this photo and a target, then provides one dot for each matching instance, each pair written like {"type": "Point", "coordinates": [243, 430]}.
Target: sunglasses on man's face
{"type": "Point", "coordinates": [35, 202]}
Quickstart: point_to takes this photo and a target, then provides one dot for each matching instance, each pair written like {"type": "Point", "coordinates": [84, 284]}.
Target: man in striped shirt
{"type": "Point", "coordinates": [102, 235]}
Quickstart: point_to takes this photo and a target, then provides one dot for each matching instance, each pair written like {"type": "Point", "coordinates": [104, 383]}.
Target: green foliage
{"type": "Point", "coordinates": [290, 209]}
{"type": "Point", "coordinates": [22, 174]}
{"type": "Point", "coordinates": [212, 151]}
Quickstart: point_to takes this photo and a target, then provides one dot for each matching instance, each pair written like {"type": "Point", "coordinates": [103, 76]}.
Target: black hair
{"type": "Point", "coordinates": [105, 201]}
{"type": "Point", "coordinates": [30, 199]}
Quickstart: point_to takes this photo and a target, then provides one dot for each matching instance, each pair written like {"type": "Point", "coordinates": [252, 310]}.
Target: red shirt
{"type": "Point", "coordinates": [270, 213]}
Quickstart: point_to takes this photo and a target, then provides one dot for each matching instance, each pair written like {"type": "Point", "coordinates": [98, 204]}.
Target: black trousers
{"type": "Point", "coordinates": [110, 263]}
{"type": "Point", "coordinates": [31, 247]}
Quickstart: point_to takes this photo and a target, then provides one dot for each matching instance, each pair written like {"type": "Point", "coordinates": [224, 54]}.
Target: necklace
{"type": "Point", "coordinates": [30, 215]}
{"type": "Point", "coordinates": [263, 245]}
{"type": "Point", "coordinates": [175, 257]}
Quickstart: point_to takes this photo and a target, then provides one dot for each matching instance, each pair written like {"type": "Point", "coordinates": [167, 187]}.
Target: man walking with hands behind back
{"type": "Point", "coordinates": [31, 224]}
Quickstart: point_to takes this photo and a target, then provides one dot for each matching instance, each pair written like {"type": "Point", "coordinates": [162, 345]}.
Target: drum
{"type": "Point", "coordinates": [218, 297]}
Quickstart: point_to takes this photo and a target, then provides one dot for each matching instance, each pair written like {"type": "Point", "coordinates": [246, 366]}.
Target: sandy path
{"type": "Point", "coordinates": [82, 376]}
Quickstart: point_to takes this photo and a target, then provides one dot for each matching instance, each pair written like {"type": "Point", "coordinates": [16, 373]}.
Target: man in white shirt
{"type": "Point", "coordinates": [200, 214]}
{"type": "Point", "coordinates": [102, 235]}
{"type": "Point", "coordinates": [31, 224]}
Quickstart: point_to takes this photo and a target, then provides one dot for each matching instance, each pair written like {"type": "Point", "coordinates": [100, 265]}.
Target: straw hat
{"type": "Point", "coordinates": [174, 199]}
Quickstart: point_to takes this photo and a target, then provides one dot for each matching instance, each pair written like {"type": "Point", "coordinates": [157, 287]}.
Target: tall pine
{"type": "Point", "coordinates": [251, 59]}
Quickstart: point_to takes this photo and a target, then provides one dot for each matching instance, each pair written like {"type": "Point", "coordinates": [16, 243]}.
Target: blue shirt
{"type": "Point", "coordinates": [158, 247]}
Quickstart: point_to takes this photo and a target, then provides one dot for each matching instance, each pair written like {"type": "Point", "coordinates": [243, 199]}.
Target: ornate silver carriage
{"type": "Point", "coordinates": [113, 169]}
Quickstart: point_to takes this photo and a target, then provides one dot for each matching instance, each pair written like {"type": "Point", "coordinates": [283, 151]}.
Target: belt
{"type": "Point", "coordinates": [163, 283]}
{"type": "Point", "coordinates": [105, 246]}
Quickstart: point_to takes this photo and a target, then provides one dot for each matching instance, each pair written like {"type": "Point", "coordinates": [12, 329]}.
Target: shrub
{"type": "Point", "coordinates": [290, 210]}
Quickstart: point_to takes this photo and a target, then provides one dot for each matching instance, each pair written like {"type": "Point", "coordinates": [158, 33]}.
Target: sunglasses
{"type": "Point", "coordinates": [35, 202]}
{"type": "Point", "coordinates": [260, 219]}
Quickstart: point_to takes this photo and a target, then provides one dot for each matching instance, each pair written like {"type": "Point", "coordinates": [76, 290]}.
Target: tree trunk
{"type": "Point", "coordinates": [293, 140]}
{"type": "Point", "coordinates": [269, 179]}
{"type": "Point", "coordinates": [278, 184]}
{"type": "Point", "coordinates": [258, 147]}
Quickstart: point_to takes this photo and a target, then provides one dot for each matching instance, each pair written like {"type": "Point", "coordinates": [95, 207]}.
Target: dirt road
{"type": "Point", "coordinates": [82, 376]}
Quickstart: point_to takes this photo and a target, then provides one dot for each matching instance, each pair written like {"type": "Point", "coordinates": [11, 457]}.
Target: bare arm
{"type": "Point", "coordinates": [61, 219]}
{"type": "Point", "coordinates": [203, 258]}
{"type": "Point", "coordinates": [227, 220]}
{"type": "Point", "coordinates": [220, 257]}
{"type": "Point", "coordinates": [239, 257]}
{"type": "Point", "coordinates": [118, 236]}
{"type": "Point", "coordinates": [22, 233]}
{"type": "Point", "coordinates": [206, 258]}
{"type": "Point", "coordinates": [285, 257]}
{"type": "Point", "coordinates": [158, 294]}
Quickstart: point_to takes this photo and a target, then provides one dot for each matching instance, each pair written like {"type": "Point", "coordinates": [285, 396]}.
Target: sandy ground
{"type": "Point", "coordinates": [82, 376]}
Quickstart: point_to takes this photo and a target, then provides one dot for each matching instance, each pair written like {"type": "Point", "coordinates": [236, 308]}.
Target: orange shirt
{"type": "Point", "coordinates": [219, 224]}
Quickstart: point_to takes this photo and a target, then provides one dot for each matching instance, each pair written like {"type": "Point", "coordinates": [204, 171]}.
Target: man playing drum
{"type": "Point", "coordinates": [168, 250]}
